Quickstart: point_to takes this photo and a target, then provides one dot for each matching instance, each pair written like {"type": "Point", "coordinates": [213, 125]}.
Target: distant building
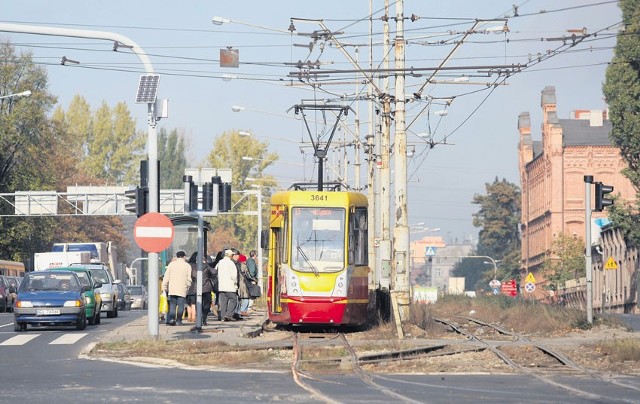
{"type": "Point", "coordinates": [552, 174]}
{"type": "Point", "coordinates": [432, 261]}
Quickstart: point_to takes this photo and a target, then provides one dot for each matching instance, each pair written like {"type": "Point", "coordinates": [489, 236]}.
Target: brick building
{"type": "Point", "coordinates": [552, 174]}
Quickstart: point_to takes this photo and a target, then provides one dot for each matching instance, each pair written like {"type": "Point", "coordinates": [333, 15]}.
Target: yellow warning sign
{"type": "Point", "coordinates": [611, 264]}
{"type": "Point", "coordinates": [530, 278]}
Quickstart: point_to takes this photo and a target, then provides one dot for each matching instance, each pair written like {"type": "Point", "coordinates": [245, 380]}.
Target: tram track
{"type": "Point", "coordinates": [310, 370]}
{"type": "Point", "coordinates": [544, 374]}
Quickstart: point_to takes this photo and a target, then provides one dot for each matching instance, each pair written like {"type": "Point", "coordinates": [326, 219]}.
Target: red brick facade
{"type": "Point", "coordinates": [552, 175]}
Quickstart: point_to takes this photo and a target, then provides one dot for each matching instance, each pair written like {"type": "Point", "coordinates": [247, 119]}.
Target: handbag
{"type": "Point", "coordinates": [254, 291]}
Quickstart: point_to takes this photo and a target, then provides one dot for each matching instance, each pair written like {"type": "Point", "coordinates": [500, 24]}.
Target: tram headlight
{"type": "Point", "coordinates": [340, 288]}
{"type": "Point", "coordinates": [293, 284]}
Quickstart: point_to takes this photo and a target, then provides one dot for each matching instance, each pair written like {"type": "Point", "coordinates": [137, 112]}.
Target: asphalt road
{"type": "Point", "coordinates": [42, 370]}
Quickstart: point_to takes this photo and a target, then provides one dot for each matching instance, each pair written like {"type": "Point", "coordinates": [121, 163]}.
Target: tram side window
{"type": "Point", "coordinates": [358, 240]}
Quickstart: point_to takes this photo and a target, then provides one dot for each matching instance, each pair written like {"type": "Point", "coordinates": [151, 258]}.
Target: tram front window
{"type": "Point", "coordinates": [318, 238]}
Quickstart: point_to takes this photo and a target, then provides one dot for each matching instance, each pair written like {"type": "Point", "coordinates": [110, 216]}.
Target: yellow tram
{"type": "Point", "coordinates": [318, 251]}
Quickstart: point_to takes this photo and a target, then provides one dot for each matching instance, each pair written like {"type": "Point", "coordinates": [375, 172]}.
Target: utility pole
{"type": "Point", "coordinates": [384, 182]}
{"type": "Point", "coordinates": [588, 180]}
{"type": "Point", "coordinates": [400, 269]}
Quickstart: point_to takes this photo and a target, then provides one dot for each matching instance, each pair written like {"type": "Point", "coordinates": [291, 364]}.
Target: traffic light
{"type": "Point", "coordinates": [601, 191]}
{"type": "Point", "coordinates": [207, 196]}
{"type": "Point", "coordinates": [193, 196]}
{"type": "Point", "coordinates": [140, 201]}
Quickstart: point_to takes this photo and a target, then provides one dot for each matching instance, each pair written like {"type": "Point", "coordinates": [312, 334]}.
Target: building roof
{"type": "Point", "coordinates": [579, 132]}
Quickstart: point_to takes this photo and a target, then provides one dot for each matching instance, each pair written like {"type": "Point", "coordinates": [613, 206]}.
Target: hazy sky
{"type": "Point", "coordinates": [480, 127]}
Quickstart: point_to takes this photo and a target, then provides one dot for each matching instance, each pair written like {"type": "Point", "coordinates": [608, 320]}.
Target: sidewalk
{"type": "Point", "coordinates": [243, 332]}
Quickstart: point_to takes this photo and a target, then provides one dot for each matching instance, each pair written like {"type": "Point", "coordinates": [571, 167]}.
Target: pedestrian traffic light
{"type": "Point", "coordinates": [140, 201]}
{"type": "Point", "coordinates": [601, 191]}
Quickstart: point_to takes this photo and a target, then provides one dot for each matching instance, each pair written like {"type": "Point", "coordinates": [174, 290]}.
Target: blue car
{"type": "Point", "coordinates": [50, 298]}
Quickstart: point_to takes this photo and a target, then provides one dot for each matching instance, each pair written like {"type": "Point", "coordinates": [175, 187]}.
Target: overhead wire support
{"type": "Point", "coordinates": [320, 153]}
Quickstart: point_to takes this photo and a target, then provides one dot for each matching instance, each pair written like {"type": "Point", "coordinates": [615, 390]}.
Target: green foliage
{"type": "Point", "coordinates": [622, 91]}
{"type": "Point", "coordinates": [499, 238]}
{"type": "Point", "coordinates": [113, 145]}
{"type": "Point", "coordinates": [565, 262]}
{"type": "Point", "coordinates": [227, 152]}
{"type": "Point", "coordinates": [173, 161]}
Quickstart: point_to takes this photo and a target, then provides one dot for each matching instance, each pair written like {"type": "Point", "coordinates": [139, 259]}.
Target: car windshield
{"type": "Point", "coordinates": [84, 279]}
{"type": "Point", "coordinates": [50, 282]}
{"type": "Point", "coordinates": [100, 275]}
{"type": "Point", "coordinates": [318, 238]}
{"type": "Point", "coordinates": [135, 290]}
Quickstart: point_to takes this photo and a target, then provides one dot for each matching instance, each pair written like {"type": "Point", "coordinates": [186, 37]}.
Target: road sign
{"type": "Point", "coordinates": [430, 251]}
{"type": "Point", "coordinates": [153, 232]}
{"type": "Point", "coordinates": [495, 284]}
{"type": "Point", "coordinates": [509, 288]}
{"type": "Point", "coordinates": [496, 291]}
{"type": "Point", "coordinates": [611, 264]}
{"type": "Point", "coordinates": [530, 278]}
{"type": "Point", "coordinates": [530, 287]}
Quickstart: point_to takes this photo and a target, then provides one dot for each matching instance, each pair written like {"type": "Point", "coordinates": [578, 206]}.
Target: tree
{"type": "Point", "coordinates": [171, 154]}
{"type": "Point", "coordinates": [565, 261]}
{"type": "Point", "coordinates": [498, 218]}
{"type": "Point", "coordinates": [227, 152]}
{"type": "Point", "coordinates": [622, 91]}
{"type": "Point", "coordinates": [24, 134]}
{"type": "Point", "coordinates": [113, 147]}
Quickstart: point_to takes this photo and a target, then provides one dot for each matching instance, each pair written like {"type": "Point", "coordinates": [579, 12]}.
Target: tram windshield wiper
{"type": "Point", "coordinates": [306, 259]}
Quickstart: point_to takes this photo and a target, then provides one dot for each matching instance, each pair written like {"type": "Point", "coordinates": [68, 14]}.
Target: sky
{"type": "Point", "coordinates": [474, 143]}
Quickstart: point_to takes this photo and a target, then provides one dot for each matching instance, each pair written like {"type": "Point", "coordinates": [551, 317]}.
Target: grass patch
{"type": "Point", "coordinates": [621, 350]}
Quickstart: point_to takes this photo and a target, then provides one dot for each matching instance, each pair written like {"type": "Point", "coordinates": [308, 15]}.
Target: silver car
{"type": "Point", "coordinates": [138, 297]}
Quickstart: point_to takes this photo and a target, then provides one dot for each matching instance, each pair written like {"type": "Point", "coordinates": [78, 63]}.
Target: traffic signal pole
{"type": "Point", "coordinates": [152, 142]}
{"type": "Point", "coordinates": [588, 180]}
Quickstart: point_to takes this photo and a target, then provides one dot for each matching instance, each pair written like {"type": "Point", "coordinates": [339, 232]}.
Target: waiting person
{"type": "Point", "coordinates": [252, 265]}
{"type": "Point", "coordinates": [191, 294]}
{"type": "Point", "coordinates": [214, 284]}
{"type": "Point", "coordinates": [176, 283]}
{"type": "Point", "coordinates": [208, 276]}
{"type": "Point", "coordinates": [244, 280]}
{"type": "Point", "coordinates": [227, 286]}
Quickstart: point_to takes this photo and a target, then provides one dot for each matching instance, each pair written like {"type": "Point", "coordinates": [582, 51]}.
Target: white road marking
{"type": "Point", "coordinates": [20, 339]}
{"type": "Point", "coordinates": [67, 339]}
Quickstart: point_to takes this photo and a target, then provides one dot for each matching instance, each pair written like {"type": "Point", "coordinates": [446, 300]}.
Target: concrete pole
{"type": "Point", "coordinates": [152, 142]}
{"type": "Point", "coordinates": [372, 189]}
{"type": "Point", "coordinates": [588, 180]}
{"type": "Point", "coordinates": [401, 229]}
{"type": "Point", "coordinates": [384, 183]}
{"type": "Point", "coordinates": [259, 249]}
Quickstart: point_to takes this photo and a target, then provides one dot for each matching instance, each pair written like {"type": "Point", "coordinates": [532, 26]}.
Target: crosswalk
{"type": "Point", "coordinates": [64, 339]}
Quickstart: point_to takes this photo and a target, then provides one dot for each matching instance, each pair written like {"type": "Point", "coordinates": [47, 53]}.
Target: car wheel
{"type": "Point", "coordinates": [115, 311]}
{"type": "Point", "coordinates": [97, 320]}
{"type": "Point", "coordinates": [17, 327]}
{"type": "Point", "coordinates": [92, 320]}
{"type": "Point", "coordinates": [82, 323]}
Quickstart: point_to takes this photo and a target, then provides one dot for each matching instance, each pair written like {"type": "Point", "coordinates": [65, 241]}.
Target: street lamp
{"type": "Point", "coordinates": [22, 94]}
{"type": "Point", "coordinates": [495, 267]}
{"type": "Point", "coordinates": [217, 20]}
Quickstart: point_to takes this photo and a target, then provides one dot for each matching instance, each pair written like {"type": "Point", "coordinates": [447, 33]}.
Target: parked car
{"type": "Point", "coordinates": [93, 300]}
{"type": "Point", "coordinates": [124, 297]}
{"type": "Point", "coordinates": [6, 297]}
{"type": "Point", "coordinates": [108, 291]}
{"type": "Point", "coordinates": [50, 298]}
{"type": "Point", "coordinates": [138, 296]}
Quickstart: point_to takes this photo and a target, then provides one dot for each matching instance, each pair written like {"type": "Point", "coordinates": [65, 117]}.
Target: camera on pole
{"type": "Point", "coordinates": [601, 191]}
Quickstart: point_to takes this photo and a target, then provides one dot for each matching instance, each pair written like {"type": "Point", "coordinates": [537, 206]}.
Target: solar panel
{"type": "Point", "coordinates": [147, 89]}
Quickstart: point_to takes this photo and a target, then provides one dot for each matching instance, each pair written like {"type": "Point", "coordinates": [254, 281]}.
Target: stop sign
{"type": "Point", "coordinates": [153, 232]}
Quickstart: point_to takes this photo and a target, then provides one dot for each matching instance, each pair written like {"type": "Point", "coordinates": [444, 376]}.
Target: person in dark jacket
{"type": "Point", "coordinates": [208, 276]}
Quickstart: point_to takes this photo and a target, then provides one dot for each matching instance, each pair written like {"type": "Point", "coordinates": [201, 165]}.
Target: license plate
{"type": "Point", "coordinates": [47, 312]}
